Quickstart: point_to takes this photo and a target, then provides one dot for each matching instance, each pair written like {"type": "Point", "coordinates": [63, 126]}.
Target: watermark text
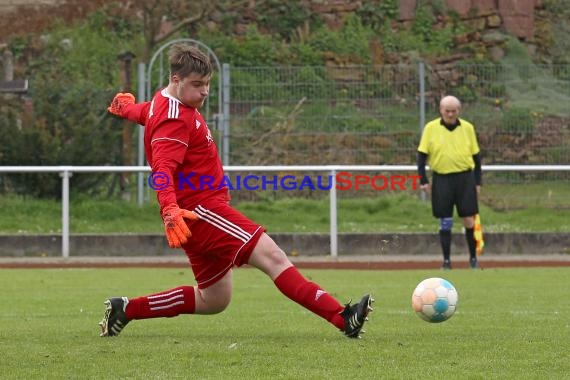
{"type": "Point", "coordinates": [342, 181]}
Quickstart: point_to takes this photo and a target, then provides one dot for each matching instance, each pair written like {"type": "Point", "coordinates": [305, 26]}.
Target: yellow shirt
{"type": "Point", "coordinates": [449, 151]}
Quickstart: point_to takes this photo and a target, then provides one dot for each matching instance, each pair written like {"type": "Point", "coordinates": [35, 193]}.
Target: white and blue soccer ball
{"type": "Point", "coordinates": [435, 300]}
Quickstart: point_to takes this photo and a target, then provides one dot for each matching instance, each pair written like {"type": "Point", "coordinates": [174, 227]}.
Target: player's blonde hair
{"type": "Point", "coordinates": [185, 60]}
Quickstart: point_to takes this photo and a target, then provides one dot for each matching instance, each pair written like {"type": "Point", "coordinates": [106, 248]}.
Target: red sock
{"type": "Point", "coordinates": [169, 303]}
{"type": "Point", "coordinates": [309, 295]}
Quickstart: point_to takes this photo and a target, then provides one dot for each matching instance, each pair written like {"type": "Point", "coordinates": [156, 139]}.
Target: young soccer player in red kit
{"type": "Point", "coordinates": [197, 215]}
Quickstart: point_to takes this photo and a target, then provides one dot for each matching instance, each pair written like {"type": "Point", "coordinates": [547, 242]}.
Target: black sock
{"type": "Point", "coordinates": [471, 243]}
{"type": "Point", "coordinates": [445, 239]}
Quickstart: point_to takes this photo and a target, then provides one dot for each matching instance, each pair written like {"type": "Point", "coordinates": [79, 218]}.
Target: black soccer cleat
{"type": "Point", "coordinates": [446, 265]}
{"type": "Point", "coordinates": [355, 316]}
{"type": "Point", "coordinates": [473, 264]}
{"type": "Point", "coordinates": [115, 319]}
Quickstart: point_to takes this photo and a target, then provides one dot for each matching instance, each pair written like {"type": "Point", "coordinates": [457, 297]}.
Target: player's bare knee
{"type": "Point", "coordinates": [277, 256]}
{"type": "Point", "coordinates": [469, 221]}
{"type": "Point", "coordinates": [213, 300]}
{"type": "Point", "coordinates": [218, 306]}
{"type": "Point", "coordinates": [215, 305]}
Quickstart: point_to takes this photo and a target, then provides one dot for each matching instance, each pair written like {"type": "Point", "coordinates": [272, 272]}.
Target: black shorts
{"type": "Point", "coordinates": [455, 189]}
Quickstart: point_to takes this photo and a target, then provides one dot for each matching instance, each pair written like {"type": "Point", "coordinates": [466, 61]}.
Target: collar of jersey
{"type": "Point", "coordinates": [167, 95]}
{"type": "Point", "coordinates": [450, 127]}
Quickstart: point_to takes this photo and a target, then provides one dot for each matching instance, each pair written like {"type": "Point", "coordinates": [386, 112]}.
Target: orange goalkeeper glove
{"type": "Point", "coordinates": [119, 102]}
{"type": "Point", "coordinates": [177, 232]}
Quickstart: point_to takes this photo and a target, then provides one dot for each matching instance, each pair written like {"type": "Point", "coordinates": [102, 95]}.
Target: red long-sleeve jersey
{"type": "Point", "coordinates": [179, 146]}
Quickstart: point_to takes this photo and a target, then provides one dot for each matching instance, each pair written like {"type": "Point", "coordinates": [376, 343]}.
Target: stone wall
{"type": "Point", "coordinates": [490, 22]}
{"type": "Point", "coordinates": [515, 17]}
{"type": "Point", "coordinates": [314, 244]}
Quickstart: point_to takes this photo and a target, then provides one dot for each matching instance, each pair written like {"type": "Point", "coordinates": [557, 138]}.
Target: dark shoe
{"type": "Point", "coordinates": [355, 316]}
{"type": "Point", "coordinates": [115, 319]}
{"type": "Point", "coordinates": [446, 265]}
{"type": "Point", "coordinates": [473, 264]}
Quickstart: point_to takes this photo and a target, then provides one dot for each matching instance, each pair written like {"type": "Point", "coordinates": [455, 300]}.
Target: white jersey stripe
{"type": "Point", "coordinates": [223, 227]}
{"type": "Point", "coordinates": [223, 224]}
{"type": "Point", "coordinates": [225, 221]}
{"type": "Point", "coordinates": [173, 110]}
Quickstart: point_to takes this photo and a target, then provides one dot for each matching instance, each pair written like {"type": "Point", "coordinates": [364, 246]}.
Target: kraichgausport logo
{"type": "Point", "coordinates": [341, 181]}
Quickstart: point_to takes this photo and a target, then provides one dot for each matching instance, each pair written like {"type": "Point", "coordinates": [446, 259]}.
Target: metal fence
{"type": "Point", "coordinates": [373, 115]}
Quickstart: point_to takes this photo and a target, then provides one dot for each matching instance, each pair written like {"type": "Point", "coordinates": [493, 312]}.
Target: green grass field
{"type": "Point", "coordinates": [510, 324]}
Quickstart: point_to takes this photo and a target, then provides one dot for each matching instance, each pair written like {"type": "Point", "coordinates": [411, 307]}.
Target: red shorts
{"type": "Point", "coordinates": [221, 239]}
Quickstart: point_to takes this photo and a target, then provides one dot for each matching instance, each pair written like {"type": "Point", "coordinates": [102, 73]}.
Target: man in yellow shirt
{"type": "Point", "coordinates": [449, 145]}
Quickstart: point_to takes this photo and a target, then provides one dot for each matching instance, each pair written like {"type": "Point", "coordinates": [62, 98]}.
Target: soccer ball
{"type": "Point", "coordinates": [435, 300]}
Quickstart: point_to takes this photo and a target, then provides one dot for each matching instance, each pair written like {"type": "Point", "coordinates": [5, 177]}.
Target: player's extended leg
{"type": "Point", "coordinates": [269, 258]}
{"type": "Point", "coordinates": [467, 208]}
{"type": "Point", "coordinates": [170, 303]}
{"type": "Point", "coordinates": [469, 224]}
{"type": "Point", "coordinates": [445, 227]}
{"type": "Point", "coordinates": [442, 203]}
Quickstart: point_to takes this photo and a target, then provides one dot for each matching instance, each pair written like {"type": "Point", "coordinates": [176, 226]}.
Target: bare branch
{"type": "Point", "coordinates": [180, 25]}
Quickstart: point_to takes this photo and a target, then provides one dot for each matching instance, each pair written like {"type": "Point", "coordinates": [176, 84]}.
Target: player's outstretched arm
{"type": "Point", "coordinates": [123, 105]}
{"type": "Point", "coordinates": [167, 158]}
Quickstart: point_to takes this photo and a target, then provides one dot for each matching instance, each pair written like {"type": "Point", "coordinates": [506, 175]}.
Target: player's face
{"type": "Point", "coordinates": [449, 113]}
{"type": "Point", "coordinates": [192, 90]}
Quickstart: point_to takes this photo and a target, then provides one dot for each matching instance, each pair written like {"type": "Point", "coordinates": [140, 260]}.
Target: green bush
{"type": "Point", "coordinates": [378, 13]}
{"type": "Point", "coordinates": [253, 85]}
{"type": "Point", "coordinates": [71, 84]}
{"type": "Point", "coordinates": [424, 19]}
{"type": "Point", "coordinates": [311, 83]}
{"type": "Point", "coordinates": [466, 93]}
{"type": "Point", "coordinates": [283, 18]}
{"type": "Point", "coordinates": [351, 41]}
{"type": "Point", "coordinates": [517, 120]}
{"type": "Point", "coordinates": [303, 54]}
{"type": "Point", "coordinates": [254, 49]}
